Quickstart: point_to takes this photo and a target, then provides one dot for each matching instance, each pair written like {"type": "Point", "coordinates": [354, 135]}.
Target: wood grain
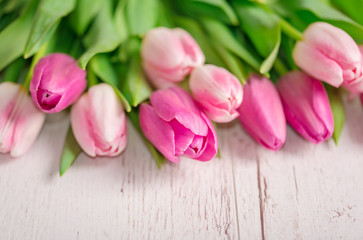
{"type": "Point", "coordinates": [301, 192]}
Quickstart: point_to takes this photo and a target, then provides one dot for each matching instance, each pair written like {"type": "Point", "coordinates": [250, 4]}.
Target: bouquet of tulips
{"type": "Point", "coordinates": [174, 66]}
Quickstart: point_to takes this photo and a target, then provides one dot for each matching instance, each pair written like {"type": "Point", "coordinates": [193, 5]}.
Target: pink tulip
{"type": "Point", "coordinates": [99, 123]}
{"type": "Point", "coordinates": [176, 127]}
{"type": "Point", "coordinates": [57, 82]}
{"type": "Point", "coordinates": [261, 113]}
{"type": "Point", "coordinates": [20, 120]}
{"type": "Point", "coordinates": [329, 54]}
{"type": "Point", "coordinates": [355, 85]}
{"type": "Point", "coordinates": [306, 106]}
{"type": "Point", "coordinates": [169, 55]}
{"type": "Point", "coordinates": [217, 91]}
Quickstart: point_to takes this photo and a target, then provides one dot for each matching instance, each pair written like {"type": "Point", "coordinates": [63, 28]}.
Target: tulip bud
{"type": "Point", "coordinates": [261, 113]}
{"type": "Point", "coordinates": [20, 120]}
{"type": "Point", "coordinates": [99, 123]}
{"type": "Point", "coordinates": [329, 54]}
{"type": "Point", "coordinates": [176, 127]}
{"type": "Point", "coordinates": [218, 92]}
{"type": "Point", "coordinates": [57, 82]}
{"type": "Point", "coordinates": [355, 85]}
{"type": "Point", "coordinates": [306, 105]}
{"type": "Point", "coordinates": [169, 55]}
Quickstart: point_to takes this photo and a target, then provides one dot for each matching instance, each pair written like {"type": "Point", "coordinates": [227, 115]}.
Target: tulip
{"type": "Point", "coordinates": [57, 82]}
{"type": "Point", "coordinates": [99, 123]}
{"type": "Point", "coordinates": [175, 125]}
{"type": "Point", "coordinates": [169, 55]}
{"type": "Point", "coordinates": [306, 105]}
{"type": "Point", "coordinates": [261, 113]}
{"type": "Point", "coordinates": [329, 54]}
{"type": "Point", "coordinates": [356, 85]}
{"type": "Point", "coordinates": [20, 120]}
{"type": "Point", "coordinates": [217, 91]}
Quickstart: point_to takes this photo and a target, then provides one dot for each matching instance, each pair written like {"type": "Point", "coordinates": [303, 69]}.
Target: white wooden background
{"type": "Point", "coordinates": [301, 192]}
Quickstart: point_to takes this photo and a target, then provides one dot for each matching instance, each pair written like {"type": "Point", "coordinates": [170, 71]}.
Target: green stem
{"type": "Point", "coordinates": [290, 30]}
{"type": "Point", "coordinates": [280, 67]}
{"type": "Point", "coordinates": [91, 78]}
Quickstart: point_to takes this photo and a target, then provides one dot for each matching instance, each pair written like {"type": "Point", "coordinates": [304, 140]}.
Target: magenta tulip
{"type": "Point", "coordinates": [218, 92]}
{"type": "Point", "coordinates": [57, 82]}
{"type": "Point", "coordinates": [261, 113]}
{"type": "Point", "coordinates": [306, 105]}
{"type": "Point", "coordinates": [20, 120]}
{"type": "Point", "coordinates": [169, 55]}
{"type": "Point", "coordinates": [177, 127]}
{"type": "Point", "coordinates": [328, 54]}
{"type": "Point", "coordinates": [99, 123]}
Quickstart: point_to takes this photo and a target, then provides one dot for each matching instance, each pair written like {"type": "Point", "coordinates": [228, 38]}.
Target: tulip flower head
{"type": "Point", "coordinates": [169, 55]}
{"type": "Point", "coordinates": [261, 113]}
{"type": "Point", "coordinates": [329, 54]}
{"type": "Point", "coordinates": [306, 105]}
{"type": "Point", "coordinates": [356, 85]}
{"type": "Point", "coordinates": [175, 125]}
{"type": "Point", "coordinates": [99, 123]}
{"type": "Point", "coordinates": [218, 92]}
{"type": "Point", "coordinates": [20, 120]}
{"type": "Point", "coordinates": [57, 82]}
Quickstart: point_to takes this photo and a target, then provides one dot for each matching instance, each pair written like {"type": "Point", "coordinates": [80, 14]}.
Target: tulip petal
{"type": "Point", "coordinates": [317, 64]}
{"type": "Point", "coordinates": [158, 132]}
{"type": "Point", "coordinates": [211, 147]}
{"type": "Point", "coordinates": [177, 104]}
{"type": "Point", "coordinates": [80, 126]}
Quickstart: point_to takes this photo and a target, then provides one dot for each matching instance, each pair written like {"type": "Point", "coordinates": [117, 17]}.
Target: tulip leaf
{"type": "Point", "coordinates": [142, 15]}
{"type": "Point", "coordinates": [13, 71]}
{"type": "Point", "coordinates": [13, 38]}
{"type": "Point", "coordinates": [217, 9]}
{"type": "Point", "coordinates": [71, 150]}
{"type": "Point", "coordinates": [263, 29]}
{"type": "Point", "coordinates": [84, 12]}
{"type": "Point", "coordinates": [158, 157]}
{"type": "Point", "coordinates": [352, 8]}
{"type": "Point", "coordinates": [223, 36]}
{"type": "Point", "coordinates": [313, 10]}
{"type": "Point", "coordinates": [337, 106]}
{"type": "Point", "coordinates": [102, 37]}
{"type": "Point", "coordinates": [103, 69]}
{"type": "Point", "coordinates": [46, 21]}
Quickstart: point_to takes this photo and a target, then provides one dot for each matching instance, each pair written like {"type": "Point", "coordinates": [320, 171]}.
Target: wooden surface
{"type": "Point", "coordinates": [301, 192]}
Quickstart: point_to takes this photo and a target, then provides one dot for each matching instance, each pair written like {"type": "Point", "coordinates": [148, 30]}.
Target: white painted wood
{"type": "Point", "coordinates": [301, 192]}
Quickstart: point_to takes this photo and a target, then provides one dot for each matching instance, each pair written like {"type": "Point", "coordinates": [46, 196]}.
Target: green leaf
{"type": "Point", "coordinates": [84, 12]}
{"type": "Point", "coordinates": [46, 21]}
{"type": "Point", "coordinates": [352, 8]}
{"type": "Point", "coordinates": [13, 71]}
{"type": "Point", "coordinates": [158, 157]}
{"type": "Point", "coordinates": [102, 37]}
{"type": "Point", "coordinates": [135, 86]}
{"type": "Point", "coordinates": [101, 66]}
{"type": "Point", "coordinates": [217, 9]}
{"type": "Point", "coordinates": [263, 29]}
{"type": "Point", "coordinates": [223, 36]}
{"type": "Point", "coordinates": [142, 15]}
{"type": "Point", "coordinates": [337, 106]}
{"type": "Point", "coordinates": [71, 150]}
{"type": "Point", "coordinates": [120, 21]}
{"type": "Point", "coordinates": [13, 38]}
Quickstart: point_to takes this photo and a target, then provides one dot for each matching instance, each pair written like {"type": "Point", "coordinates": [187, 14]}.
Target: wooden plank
{"type": "Point", "coordinates": [111, 198]}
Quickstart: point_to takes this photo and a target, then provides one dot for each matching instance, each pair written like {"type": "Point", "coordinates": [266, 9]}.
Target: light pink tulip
{"type": "Point", "coordinates": [355, 85]}
{"type": "Point", "coordinates": [57, 82]}
{"type": "Point", "coordinates": [177, 127]}
{"type": "Point", "coordinates": [218, 92]}
{"type": "Point", "coordinates": [169, 55]}
{"type": "Point", "coordinates": [20, 120]}
{"type": "Point", "coordinates": [306, 105]}
{"type": "Point", "coordinates": [99, 123]}
{"type": "Point", "coordinates": [261, 113]}
{"type": "Point", "coordinates": [328, 54]}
